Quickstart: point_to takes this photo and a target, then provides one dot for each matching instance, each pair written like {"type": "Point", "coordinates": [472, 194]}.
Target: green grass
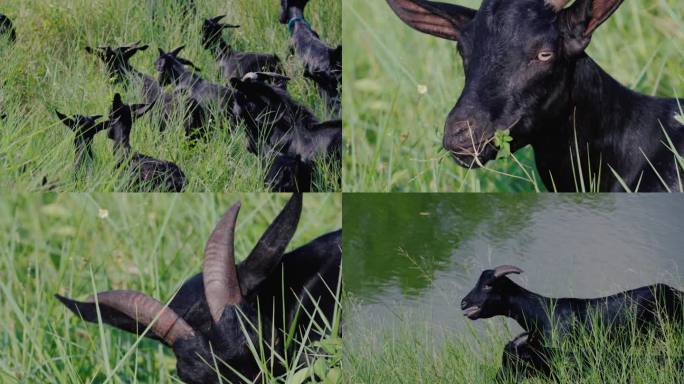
{"type": "Point", "coordinates": [400, 84]}
{"type": "Point", "coordinates": [49, 69]}
{"type": "Point", "coordinates": [76, 244]}
{"type": "Point", "coordinates": [410, 354]}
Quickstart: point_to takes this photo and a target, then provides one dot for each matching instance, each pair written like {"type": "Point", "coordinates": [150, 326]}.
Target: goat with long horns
{"type": "Point", "coordinates": [215, 315]}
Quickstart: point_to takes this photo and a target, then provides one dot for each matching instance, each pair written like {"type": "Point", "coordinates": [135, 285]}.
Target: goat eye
{"type": "Point", "coordinates": [487, 288]}
{"type": "Point", "coordinates": [545, 56]}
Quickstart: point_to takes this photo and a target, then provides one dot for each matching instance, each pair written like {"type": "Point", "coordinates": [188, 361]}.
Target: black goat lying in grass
{"type": "Point", "coordinates": [202, 323]}
{"type": "Point", "coordinates": [535, 79]}
{"type": "Point", "coordinates": [322, 64]}
{"type": "Point", "coordinates": [85, 129]}
{"type": "Point", "coordinates": [148, 173]}
{"type": "Point", "coordinates": [231, 62]}
{"type": "Point", "coordinates": [543, 317]}
{"type": "Point", "coordinates": [277, 125]}
{"type": "Point", "coordinates": [7, 28]}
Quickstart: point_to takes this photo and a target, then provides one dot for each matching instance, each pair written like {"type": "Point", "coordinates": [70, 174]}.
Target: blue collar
{"type": "Point", "coordinates": [293, 21]}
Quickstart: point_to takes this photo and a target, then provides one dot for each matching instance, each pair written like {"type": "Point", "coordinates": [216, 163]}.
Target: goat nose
{"type": "Point", "coordinates": [464, 304]}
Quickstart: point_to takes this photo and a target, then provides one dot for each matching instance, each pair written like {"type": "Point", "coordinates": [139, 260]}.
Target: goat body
{"type": "Point", "coordinates": [322, 64]}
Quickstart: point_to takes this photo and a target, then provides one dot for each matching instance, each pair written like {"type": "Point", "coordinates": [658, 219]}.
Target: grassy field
{"type": "Point", "coordinates": [410, 354]}
{"type": "Point", "coordinates": [77, 243]}
{"type": "Point", "coordinates": [400, 84]}
{"type": "Point", "coordinates": [49, 69]}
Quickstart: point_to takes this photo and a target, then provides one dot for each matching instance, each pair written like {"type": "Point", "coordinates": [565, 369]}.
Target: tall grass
{"type": "Point", "coordinates": [408, 354]}
{"type": "Point", "coordinates": [400, 84]}
{"type": "Point", "coordinates": [49, 69]}
{"type": "Point", "coordinates": [77, 244]}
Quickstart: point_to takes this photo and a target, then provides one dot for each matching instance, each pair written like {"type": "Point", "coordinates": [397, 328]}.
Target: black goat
{"type": "Point", "coordinates": [117, 62]}
{"type": "Point", "coordinates": [232, 62]}
{"type": "Point", "coordinates": [85, 128]}
{"type": "Point", "coordinates": [7, 28]}
{"type": "Point", "coordinates": [202, 323]}
{"type": "Point", "coordinates": [147, 172]}
{"type": "Point", "coordinates": [322, 64]}
{"type": "Point", "coordinates": [172, 103]}
{"type": "Point", "coordinates": [535, 79]}
{"type": "Point", "coordinates": [277, 123]}
{"type": "Point", "coordinates": [497, 295]}
{"type": "Point", "coordinates": [207, 97]}
{"type": "Point", "coordinates": [524, 357]}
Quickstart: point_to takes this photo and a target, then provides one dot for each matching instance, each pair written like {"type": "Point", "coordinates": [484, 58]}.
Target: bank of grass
{"type": "Point", "coordinates": [80, 243]}
{"type": "Point", "coordinates": [400, 84]}
{"type": "Point", "coordinates": [424, 355]}
{"type": "Point", "coordinates": [49, 69]}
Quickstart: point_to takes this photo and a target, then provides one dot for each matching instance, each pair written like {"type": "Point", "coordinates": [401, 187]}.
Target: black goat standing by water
{"type": "Point", "coordinates": [542, 317]}
{"type": "Point", "coordinates": [231, 62]}
{"type": "Point", "coordinates": [7, 28]}
{"type": "Point", "coordinates": [535, 79]}
{"type": "Point", "coordinates": [202, 323]}
{"type": "Point", "coordinates": [322, 64]}
{"type": "Point", "coordinates": [147, 172]}
{"type": "Point", "coordinates": [85, 129]}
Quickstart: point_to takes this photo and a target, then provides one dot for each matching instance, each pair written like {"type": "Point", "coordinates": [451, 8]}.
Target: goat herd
{"type": "Point", "coordinates": [290, 141]}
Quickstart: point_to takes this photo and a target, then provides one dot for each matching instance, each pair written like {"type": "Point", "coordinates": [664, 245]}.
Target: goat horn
{"type": "Point", "coordinates": [504, 270]}
{"type": "Point", "coordinates": [218, 18]}
{"type": "Point", "coordinates": [221, 285]}
{"type": "Point", "coordinates": [143, 309]}
{"type": "Point", "coordinates": [557, 5]}
{"type": "Point", "coordinates": [176, 51]}
{"type": "Point", "coordinates": [268, 251]}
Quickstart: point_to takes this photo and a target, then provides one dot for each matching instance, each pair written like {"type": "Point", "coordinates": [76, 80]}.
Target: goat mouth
{"type": "Point", "coordinates": [471, 312]}
{"type": "Point", "coordinates": [473, 155]}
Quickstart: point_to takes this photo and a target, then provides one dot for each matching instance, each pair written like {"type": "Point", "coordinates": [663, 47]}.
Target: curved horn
{"type": "Point", "coordinates": [144, 309]}
{"type": "Point", "coordinates": [217, 18]}
{"type": "Point", "coordinates": [504, 270]}
{"type": "Point", "coordinates": [221, 286]}
{"type": "Point", "coordinates": [268, 251]}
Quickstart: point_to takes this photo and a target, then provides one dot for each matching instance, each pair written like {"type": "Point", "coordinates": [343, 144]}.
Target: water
{"type": "Point", "coordinates": [414, 256]}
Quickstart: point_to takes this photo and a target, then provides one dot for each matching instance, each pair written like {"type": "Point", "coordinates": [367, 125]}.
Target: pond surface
{"type": "Point", "coordinates": [414, 256]}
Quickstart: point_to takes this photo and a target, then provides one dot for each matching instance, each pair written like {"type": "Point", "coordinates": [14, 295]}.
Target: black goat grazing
{"type": "Point", "coordinates": [148, 172]}
{"type": "Point", "coordinates": [535, 79]}
{"type": "Point", "coordinates": [232, 62]}
{"type": "Point", "coordinates": [202, 323]}
{"type": "Point", "coordinates": [322, 64]}
{"type": "Point", "coordinates": [117, 62]}
{"type": "Point", "coordinates": [85, 128]}
{"type": "Point", "coordinates": [207, 97]}
{"type": "Point", "coordinates": [497, 295]}
{"type": "Point", "coordinates": [277, 123]}
{"type": "Point", "coordinates": [7, 28]}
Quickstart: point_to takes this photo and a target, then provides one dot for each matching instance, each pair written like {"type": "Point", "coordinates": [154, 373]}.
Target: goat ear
{"type": "Point", "coordinates": [90, 50]}
{"type": "Point", "coordinates": [434, 18]}
{"type": "Point", "coordinates": [71, 123]}
{"type": "Point", "coordinates": [580, 20]}
{"type": "Point", "coordinates": [269, 250]}
{"type": "Point", "coordinates": [117, 102]}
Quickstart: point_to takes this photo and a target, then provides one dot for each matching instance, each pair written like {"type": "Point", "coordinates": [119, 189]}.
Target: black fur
{"type": "Point", "coordinates": [7, 28]}
{"type": "Point", "coordinates": [535, 79]}
{"type": "Point", "coordinates": [147, 171]}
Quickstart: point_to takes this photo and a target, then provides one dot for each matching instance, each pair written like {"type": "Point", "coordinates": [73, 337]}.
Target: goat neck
{"type": "Point", "coordinates": [598, 110]}
{"type": "Point", "coordinates": [528, 309]}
